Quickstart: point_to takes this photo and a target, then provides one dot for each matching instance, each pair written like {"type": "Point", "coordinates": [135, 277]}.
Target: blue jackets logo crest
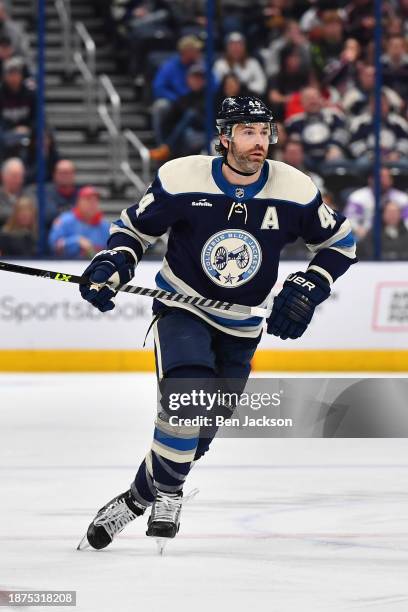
{"type": "Point", "coordinates": [231, 258]}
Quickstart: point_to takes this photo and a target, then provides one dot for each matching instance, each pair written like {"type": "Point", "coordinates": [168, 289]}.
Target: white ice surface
{"type": "Point", "coordinates": [290, 525]}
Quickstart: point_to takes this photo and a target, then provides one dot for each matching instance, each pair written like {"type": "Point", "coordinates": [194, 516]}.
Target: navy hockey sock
{"type": "Point", "coordinates": [142, 488]}
{"type": "Point", "coordinates": [173, 452]}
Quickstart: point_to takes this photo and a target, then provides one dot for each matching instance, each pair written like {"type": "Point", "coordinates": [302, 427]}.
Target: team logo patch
{"type": "Point", "coordinates": [231, 258]}
{"type": "Point", "coordinates": [239, 192]}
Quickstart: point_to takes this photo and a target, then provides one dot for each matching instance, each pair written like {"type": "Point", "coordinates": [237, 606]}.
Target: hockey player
{"type": "Point", "coordinates": [229, 218]}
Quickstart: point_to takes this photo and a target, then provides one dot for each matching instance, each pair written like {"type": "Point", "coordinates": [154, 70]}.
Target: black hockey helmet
{"type": "Point", "coordinates": [245, 109]}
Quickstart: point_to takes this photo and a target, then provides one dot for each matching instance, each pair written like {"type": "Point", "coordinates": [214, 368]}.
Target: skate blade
{"type": "Point", "coordinates": [162, 542]}
{"type": "Point", "coordinates": [161, 545]}
{"type": "Point", "coordinates": [190, 496]}
{"type": "Point", "coordinates": [83, 543]}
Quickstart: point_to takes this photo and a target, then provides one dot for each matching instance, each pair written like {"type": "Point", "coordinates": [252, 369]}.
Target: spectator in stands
{"type": "Point", "coordinates": [393, 27]}
{"type": "Point", "coordinates": [17, 109]}
{"type": "Point", "coordinates": [12, 31]}
{"type": "Point", "coordinates": [293, 76]}
{"type": "Point", "coordinates": [147, 22]}
{"type": "Point", "coordinates": [51, 156]}
{"type": "Point", "coordinates": [330, 43]}
{"type": "Point", "coordinates": [394, 137]}
{"type": "Point", "coordinates": [341, 72]}
{"type": "Point", "coordinates": [229, 86]}
{"type": "Point", "coordinates": [322, 130]}
{"type": "Point", "coordinates": [191, 17]}
{"type": "Point", "coordinates": [18, 236]}
{"type": "Point", "coordinates": [236, 59]}
{"type": "Point", "coordinates": [7, 50]}
{"type": "Point", "coordinates": [293, 38]}
{"type": "Point", "coordinates": [241, 15]}
{"type": "Point", "coordinates": [51, 159]}
{"type": "Point", "coordinates": [293, 154]}
{"type": "Point", "coordinates": [187, 115]}
{"type": "Point", "coordinates": [138, 10]}
{"type": "Point", "coordinates": [170, 82]}
{"type": "Point", "coordinates": [395, 66]}
{"type": "Point", "coordinates": [12, 185]}
{"type": "Point", "coordinates": [403, 15]}
{"type": "Point", "coordinates": [310, 19]}
{"type": "Point", "coordinates": [360, 20]}
{"type": "Point", "coordinates": [62, 193]}
{"type": "Point", "coordinates": [394, 236]}
{"type": "Point", "coordinates": [361, 204]}
{"type": "Point", "coordinates": [82, 231]}
{"type": "Point", "coordinates": [357, 99]}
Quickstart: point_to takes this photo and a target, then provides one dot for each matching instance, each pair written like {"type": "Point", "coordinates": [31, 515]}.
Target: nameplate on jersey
{"type": "Point", "coordinates": [231, 258]}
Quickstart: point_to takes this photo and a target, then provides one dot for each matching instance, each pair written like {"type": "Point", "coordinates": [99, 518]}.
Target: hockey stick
{"type": "Point", "coordinates": [153, 293]}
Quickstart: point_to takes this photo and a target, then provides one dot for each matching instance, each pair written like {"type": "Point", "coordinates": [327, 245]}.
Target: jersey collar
{"type": "Point", "coordinates": [240, 192]}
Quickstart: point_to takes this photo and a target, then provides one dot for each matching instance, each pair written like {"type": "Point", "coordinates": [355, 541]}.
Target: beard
{"type": "Point", "coordinates": [245, 161]}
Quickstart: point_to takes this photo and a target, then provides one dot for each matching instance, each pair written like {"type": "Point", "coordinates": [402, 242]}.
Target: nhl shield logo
{"type": "Point", "coordinates": [239, 192]}
{"type": "Point", "coordinates": [231, 258]}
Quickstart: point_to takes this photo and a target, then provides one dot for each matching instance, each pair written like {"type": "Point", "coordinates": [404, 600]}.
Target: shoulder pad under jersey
{"type": "Point", "coordinates": [191, 174]}
{"type": "Point", "coordinates": [287, 183]}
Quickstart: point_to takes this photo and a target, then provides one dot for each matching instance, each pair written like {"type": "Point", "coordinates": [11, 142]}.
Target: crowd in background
{"type": "Point", "coordinates": [312, 62]}
{"type": "Point", "coordinates": [74, 221]}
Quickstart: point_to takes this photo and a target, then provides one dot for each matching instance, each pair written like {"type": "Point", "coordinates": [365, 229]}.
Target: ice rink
{"type": "Point", "coordinates": [289, 525]}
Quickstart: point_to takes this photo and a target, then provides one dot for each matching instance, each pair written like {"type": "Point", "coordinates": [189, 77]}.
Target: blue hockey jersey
{"type": "Point", "coordinates": [225, 240]}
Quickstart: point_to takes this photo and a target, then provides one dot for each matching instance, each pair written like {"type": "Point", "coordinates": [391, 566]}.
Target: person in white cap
{"type": "Point", "coordinates": [236, 60]}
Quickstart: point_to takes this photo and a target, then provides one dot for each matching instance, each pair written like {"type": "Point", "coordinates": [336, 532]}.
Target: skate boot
{"type": "Point", "coordinates": [164, 520]}
{"type": "Point", "coordinates": [110, 520]}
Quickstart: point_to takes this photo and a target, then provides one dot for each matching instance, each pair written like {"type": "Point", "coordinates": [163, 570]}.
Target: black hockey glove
{"type": "Point", "coordinates": [116, 267]}
{"type": "Point", "coordinates": [294, 306]}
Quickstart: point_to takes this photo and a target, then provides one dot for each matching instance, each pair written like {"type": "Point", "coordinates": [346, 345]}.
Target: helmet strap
{"type": "Point", "coordinates": [239, 171]}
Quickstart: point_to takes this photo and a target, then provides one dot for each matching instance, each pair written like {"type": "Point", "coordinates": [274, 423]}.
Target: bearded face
{"type": "Point", "coordinates": [248, 146]}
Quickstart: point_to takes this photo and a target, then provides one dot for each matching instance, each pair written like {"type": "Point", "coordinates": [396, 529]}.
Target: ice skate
{"type": "Point", "coordinates": [164, 520]}
{"type": "Point", "coordinates": [110, 520]}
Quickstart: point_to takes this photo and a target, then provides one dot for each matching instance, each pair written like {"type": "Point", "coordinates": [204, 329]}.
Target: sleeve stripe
{"type": "Point", "coordinates": [347, 241]}
{"type": "Point", "coordinates": [120, 240]}
{"type": "Point", "coordinates": [122, 230]}
{"type": "Point", "coordinates": [323, 272]}
{"type": "Point", "coordinates": [343, 231]}
{"type": "Point", "coordinates": [333, 261]}
{"type": "Point", "coordinates": [129, 250]}
{"type": "Point", "coordinates": [349, 252]}
{"type": "Point", "coordinates": [125, 219]}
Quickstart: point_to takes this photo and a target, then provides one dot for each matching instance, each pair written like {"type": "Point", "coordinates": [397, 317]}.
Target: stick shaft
{"type": "Point", "coordinates": [153, 293]}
